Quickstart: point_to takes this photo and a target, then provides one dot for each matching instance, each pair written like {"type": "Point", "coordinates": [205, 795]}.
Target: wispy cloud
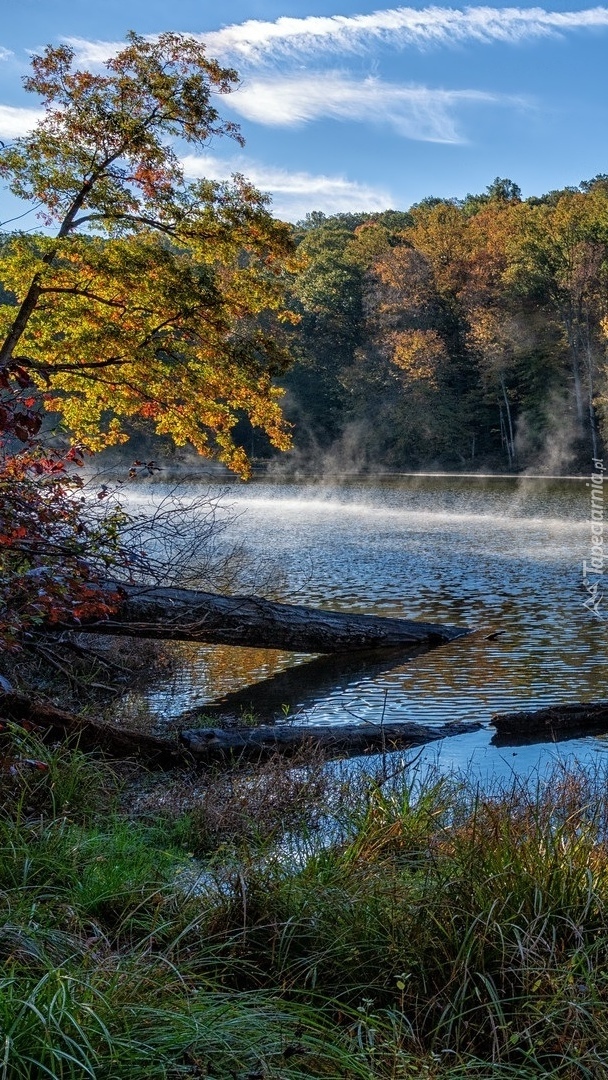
{"type": "Point", "coordinates": [15, 122]}
{"type": "Point", "coordinates": [94, 53]}
{"type": "Point", "coordinates": [258, 42]}
{"type": "Point", "coordinates": [415, 112]}
{"type": "Point", "coordinates": [5, 54]}
{"type": "Point", "coordinates": [294, 194]}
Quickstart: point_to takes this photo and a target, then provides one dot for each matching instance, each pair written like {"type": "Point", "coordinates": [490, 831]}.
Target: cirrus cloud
{"type": "Point", "coordinates": [15, 122]}
{"type": "Point", "coordinates": [414, 112]}
{"type": "Point", "coordinates": [294, 193]}
{"type": "Point", "coordinates": [258, 41]}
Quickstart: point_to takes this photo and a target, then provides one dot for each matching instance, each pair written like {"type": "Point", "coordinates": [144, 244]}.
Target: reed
{"type": "Point", "coordinates": [396, 928]}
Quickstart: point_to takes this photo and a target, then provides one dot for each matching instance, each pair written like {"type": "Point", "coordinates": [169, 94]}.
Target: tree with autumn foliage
{"type": "Point", "coordinates": [559, 255]}
{"type": "Point", "coordinates": [148, 299]}
{"type": "Point", "coordinates": [482, 330]}
{"type": "Point", "coordinates": [146, 296]}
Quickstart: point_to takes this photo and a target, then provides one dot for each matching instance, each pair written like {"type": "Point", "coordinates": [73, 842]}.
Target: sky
{"type": "Point", "coordinates": [347, 106]}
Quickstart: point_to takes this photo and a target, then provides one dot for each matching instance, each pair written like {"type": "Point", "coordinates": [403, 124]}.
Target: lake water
{"type": "Point", "coordinates": [497, 553]}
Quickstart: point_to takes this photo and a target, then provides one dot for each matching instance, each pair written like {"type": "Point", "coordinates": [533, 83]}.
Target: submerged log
{"type": "Point", "coordinates": [550, 724]}
{"type": "Point", "coordinates": [209, 745]}
{"type": "Point", "coordinates": [334, 740]}
{"type": "Point", "coordinates": [309, 682]}
{"type": "Point", "coordinates": [189, 615]}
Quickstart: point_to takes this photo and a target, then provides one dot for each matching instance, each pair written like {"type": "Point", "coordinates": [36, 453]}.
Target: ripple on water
{"type": "Point", "coordinates": [468, 552]}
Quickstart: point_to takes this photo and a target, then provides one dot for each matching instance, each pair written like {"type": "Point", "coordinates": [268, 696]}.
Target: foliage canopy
{"type": "Point", "coordinates": [156, 296]}
{"type": "Point", "coordinates": [147, 295]}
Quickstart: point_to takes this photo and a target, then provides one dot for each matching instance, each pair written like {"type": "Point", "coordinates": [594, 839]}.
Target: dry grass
{"type": "Point", "coordinates": [256, 804]}
{"type": "Point", "coordinates": [79, 673]}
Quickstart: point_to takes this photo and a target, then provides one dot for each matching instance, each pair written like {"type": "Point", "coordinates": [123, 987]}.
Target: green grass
{"type": "Point", "coordinates": [441, 934]}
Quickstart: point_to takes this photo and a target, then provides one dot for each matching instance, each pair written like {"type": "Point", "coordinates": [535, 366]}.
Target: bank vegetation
{"type": "Point", "coordinates": [288, 922]}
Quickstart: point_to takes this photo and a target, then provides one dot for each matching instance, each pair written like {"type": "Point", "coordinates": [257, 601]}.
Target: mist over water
{"type": "Point", "coordinates": [497, 552]}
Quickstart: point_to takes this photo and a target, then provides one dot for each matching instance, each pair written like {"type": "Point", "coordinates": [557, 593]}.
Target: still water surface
{"type": "Point", "coordinates": [500, 553]}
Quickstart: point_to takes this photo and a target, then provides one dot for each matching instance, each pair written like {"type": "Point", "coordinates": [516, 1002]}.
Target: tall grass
{"type": "Point", "coordinates": [107, 970]}
{"type": "Point", "coordinates": [465, 927]}
{"type": "Point", "coordinates": [424, 930]}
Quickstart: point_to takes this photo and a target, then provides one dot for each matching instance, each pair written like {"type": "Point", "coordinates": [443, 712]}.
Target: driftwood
{"type": "Point", "coordinates": [207, 745]}
{"type": "Point", "coordinates": [188, 615]}
{"type": "Point", "coordinates": [332, 739]}
{"type": "Point", "coordinates": [550, 724]}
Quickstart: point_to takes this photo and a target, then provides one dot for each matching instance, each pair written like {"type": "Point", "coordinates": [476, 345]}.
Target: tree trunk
{"type": "Point", "coordinates": [573, 342]}
{"type": "Point", "coordinates": [590, 384]}
{"type": "Point", "coordinates": [334, 740]}
{"type": "Point", "coordinates": [552, 723]}
{"type": "Point", "coordinates": [90, 734]}
{"type": "Point", "coordinates": [510, 435]}
{"type": "Point", "coordinates": [188, 615]}
{"type": "Point", "coordinates": [209, 745]}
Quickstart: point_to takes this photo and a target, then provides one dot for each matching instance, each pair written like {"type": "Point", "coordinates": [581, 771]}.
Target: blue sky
{"type": "Point", "coordinates": [351, 106]}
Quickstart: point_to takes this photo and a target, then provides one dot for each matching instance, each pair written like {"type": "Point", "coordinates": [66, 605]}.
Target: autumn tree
{"type": "Point", "coordinates": [324, 380]}
{"type": "Point", "coordinates": [483, 308]}
{"type": "Point", "coordinates": [146, 296]}
{"type": "Point", "coordinates": [417, 319]}
{"type": "Point", "coordinates": [327, 296]}
{"type": "Point", "coordinates": [559, 257]}
{"type": "Point", "coordinates": [490, 320]}
{"type": "Point", "coordinates": [149, 295]}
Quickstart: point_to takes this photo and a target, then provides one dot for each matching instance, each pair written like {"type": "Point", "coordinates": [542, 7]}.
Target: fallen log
{"type": "Point", "coordinates": [189, 615]}
{"type": "Point", "coordinates": [334, 740]}
{"type": "Point", "coordinates": [90, 734]}
{"type": "Point", "coordinates": [210, 745]}
{"type": "Point", "coordinates": [551, 723]}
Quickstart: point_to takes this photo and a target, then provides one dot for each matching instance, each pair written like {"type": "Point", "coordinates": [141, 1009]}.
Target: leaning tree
{"type": "Point", "coordinates": [147, 295]}
{"type": "Point", "coordinates": [144, 295]}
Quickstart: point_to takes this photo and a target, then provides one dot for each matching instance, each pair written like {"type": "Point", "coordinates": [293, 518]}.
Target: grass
{"type": "Point", "coordinates": [290, 922]}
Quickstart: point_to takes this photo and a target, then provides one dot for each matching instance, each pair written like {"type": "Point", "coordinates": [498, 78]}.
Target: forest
{"type": "Point", "coordinates": [461, 334]}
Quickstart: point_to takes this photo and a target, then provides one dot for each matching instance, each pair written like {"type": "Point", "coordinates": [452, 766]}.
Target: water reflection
{"type": "Point", "coordinates": [496, 553]}
{"type": "Point", "coordinates": [308, 682]}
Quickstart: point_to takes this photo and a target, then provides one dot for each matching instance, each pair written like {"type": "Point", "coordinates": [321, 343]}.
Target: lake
{"type": "Point", "coordinates": [498, 552]}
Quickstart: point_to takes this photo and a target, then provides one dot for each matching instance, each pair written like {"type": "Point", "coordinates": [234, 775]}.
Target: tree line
{"type": "Point", "coordinates": [457, 333]}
